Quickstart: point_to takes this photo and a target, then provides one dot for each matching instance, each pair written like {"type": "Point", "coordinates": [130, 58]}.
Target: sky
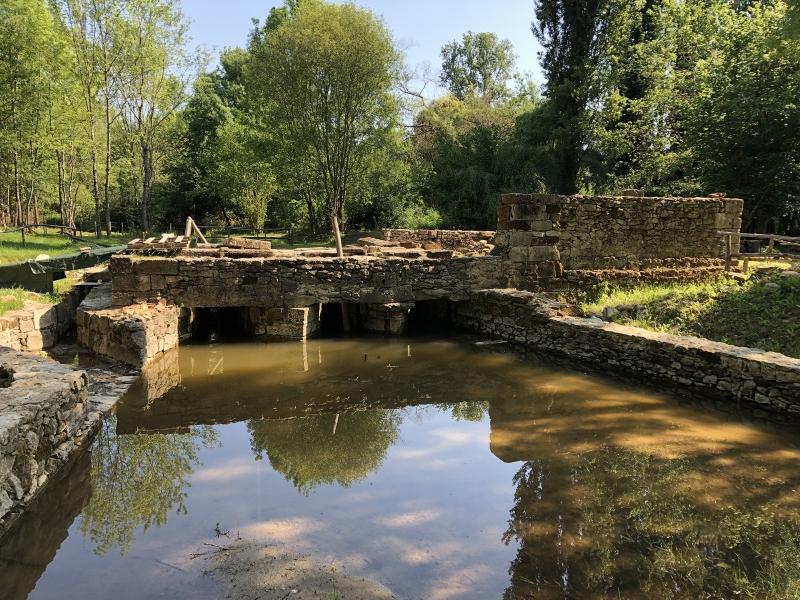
{"type": "Point", "coordinates": [420, 27]}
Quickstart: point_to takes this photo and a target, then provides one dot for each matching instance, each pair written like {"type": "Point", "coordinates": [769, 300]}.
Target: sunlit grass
{"type": "Point", "coordinates": [762, 312]}
{"type": "Point", "coordinates": [53, 244]}
{"type": "Point", "coordinates": [15, 298]}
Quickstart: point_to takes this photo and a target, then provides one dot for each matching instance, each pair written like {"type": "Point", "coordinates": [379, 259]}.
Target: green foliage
{"type": "Point", "coordinates": [326, 449]}
{"type": "Point", "coordinates": [479, 65]}
{"type": "Point", "coordinates": [325, 76]}
{"type": "Point", "coordinates": [743, 124]}
{"type": "Point", "coordinates": [754, 314]}
{"type": "Point", "coordinates": [642, 531]}
{"type": "Point", "coordinates": [468, 145]}
{"type": "Point", "coordinates": [137, 480]}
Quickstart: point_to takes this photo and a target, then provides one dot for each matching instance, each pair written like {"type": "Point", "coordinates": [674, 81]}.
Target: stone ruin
{"type": "Point", "coordinates": [543, 243]}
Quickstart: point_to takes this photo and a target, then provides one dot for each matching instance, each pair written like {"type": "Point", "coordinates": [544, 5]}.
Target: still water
{"type": "Point", "coordinates": [436, 468]}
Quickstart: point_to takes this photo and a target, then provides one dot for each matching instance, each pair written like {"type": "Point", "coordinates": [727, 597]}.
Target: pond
{"type": "Point", "coordinates": [410, 468]}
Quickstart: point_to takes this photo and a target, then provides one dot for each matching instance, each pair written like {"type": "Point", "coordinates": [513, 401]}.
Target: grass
{"type": "Point", "coordinates": [15, 298]}
{"type": "Point", "coordinates": [53, 244]}
{"type": "Point", "coordinates": [761, 312]}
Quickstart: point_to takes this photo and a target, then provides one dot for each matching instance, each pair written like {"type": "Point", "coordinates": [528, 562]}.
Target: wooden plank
{"type": "Point", "coordinates": [761, 236]}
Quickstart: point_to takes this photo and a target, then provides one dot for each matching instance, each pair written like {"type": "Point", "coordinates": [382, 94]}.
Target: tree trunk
{"type": "Point", "coordinates": [337, 235]}
{"type": "Point", "coordinates": [17, 191]}
{"type": "Point", "coordinates": [95, 188]}
{"type": "Point", "coordinates": [60, 165]}
{"type": "Point", "coordinates": [312, 217]}
{"type": "Point", "coordinates": [147, 182]}
{"type": "Point", "coordinates": [106, 183]}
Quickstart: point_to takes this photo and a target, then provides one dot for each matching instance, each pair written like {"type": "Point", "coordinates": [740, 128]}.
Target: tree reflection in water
{"type": "Point", "coordinates": [137, 480]}
{"type": "Point", "coordinates": [326, 449]}
{"type": "Point", "coordinates": [616, 523]}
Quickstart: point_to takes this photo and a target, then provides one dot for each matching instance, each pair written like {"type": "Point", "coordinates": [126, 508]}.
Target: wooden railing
{"type": "Point", "coordinates": [776, 248]}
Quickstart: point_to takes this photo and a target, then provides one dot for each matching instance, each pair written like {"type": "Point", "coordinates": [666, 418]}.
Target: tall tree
{"type": "Point", "coordinates": [327, 73]}
{"type": "Point", "coordinates": [84, 35]}
{"type": "Point", "coordinates": [155, 82]}
{"type": "Point", "coordinates": [572, 34]}
{"type": "Point", "coordinates": [479, 65]}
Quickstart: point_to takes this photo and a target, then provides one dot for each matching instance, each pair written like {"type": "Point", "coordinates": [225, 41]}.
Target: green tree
{"type": "Point", "coordinates": [155, 82]}
{"type": "Point", "coordinates": [572, 33]}
{"type": "Point", "coordinates": [327, 74]}
{"type": "Point", "coordinates": [469, 146]}
{"type": "Point", "coordinates": [479, 65]}
{"type": "Point", "coordinates": [744, 120]}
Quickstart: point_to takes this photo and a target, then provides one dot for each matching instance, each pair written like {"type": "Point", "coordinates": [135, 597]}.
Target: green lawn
{"type": "Point", "coordinates": [52, 244]}
{"type": "Point", "coordinates": [762, 312]}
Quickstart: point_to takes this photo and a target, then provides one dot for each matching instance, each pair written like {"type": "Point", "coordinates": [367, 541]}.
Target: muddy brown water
{"type": "Point", "coordinates": [436, 468]}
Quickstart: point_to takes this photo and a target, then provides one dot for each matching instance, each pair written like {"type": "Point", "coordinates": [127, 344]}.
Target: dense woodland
{"type": "Point", "coordinates": [108, 116]}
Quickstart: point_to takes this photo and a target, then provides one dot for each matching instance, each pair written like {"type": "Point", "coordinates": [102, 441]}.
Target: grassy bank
{"type": "Point", "coordinates": [762, 312]}
{"type": "Point", "coordinates": [15, 298]}
{"type": "Point", "coordinates": [53, 244]}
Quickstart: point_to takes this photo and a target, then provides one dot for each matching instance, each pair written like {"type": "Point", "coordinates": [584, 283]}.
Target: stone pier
{"type": "Point", "coordinates": [389, 319]}
{"type": "Point", "coordinates": [284, 324]}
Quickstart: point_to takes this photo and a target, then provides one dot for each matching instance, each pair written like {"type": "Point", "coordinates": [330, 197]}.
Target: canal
{"type": "Point", "coordinates": [416, 468]}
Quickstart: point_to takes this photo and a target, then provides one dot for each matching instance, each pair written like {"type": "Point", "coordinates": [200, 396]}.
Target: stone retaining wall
{"type": "Point", "coordinates": [766, 383]}
{"type": "Point", "coordinates": [38, 326]}
{"type": "Point", "coordinates": [43, 419]}
{"type": "Point", "coordinates": [133, 334]}
{"type": "Point", "coordinates": [545, 236]}
{"type": "Point", "coordinates": [473, 243]}
{"type": "Point", "coordinates": [198, 282]}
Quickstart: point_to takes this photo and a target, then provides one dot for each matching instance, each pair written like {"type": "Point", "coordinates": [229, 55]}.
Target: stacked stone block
{"type": "Point", "coordinates": [133, 334]}
{"type": "Point", "coordinates": [551, 241]}
{"type": "Point", "coordinates": [44, 416]}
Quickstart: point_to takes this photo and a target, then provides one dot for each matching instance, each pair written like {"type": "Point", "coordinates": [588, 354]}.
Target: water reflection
{"type": "Point", "coordinates": [26, 551]}
{"type": "Point", "coordinates": [643, 499]}
{"type": "Point", "coordinates": [137, 481]}
{"type": "Point", "coordinates": [597, 490]}
{"type": "Point", "coordinates": [327, 449]}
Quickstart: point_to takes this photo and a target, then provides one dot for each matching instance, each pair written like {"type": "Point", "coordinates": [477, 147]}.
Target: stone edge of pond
{"type": "Point", "coordinates": [48, 413]}
{"type": "Point", "coordinates": [763, 384]}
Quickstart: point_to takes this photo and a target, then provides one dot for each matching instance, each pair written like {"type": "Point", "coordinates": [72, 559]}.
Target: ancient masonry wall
{"type": "Point", "coordinates": [37, 327]}
{"type": "Point", "coordinates": [133, 334]}
{"type": "Point", "coordinates": [552, 241]}
{"type": "Point", "coordinates": [197, 282]}
{"type": "Point", "coordinates": [765, 383]}
{"type": "Point", "coordinates": [44, 416]}
{"type": "Point", "coordinates": [474, 243]}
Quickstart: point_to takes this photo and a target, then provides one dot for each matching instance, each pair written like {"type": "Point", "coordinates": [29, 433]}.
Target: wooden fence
{"type": "Point", "coordinates": [779, 247]}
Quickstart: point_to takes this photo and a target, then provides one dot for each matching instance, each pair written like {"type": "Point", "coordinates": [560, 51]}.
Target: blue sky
{"type": "Point", "coordinates": [420, 27]}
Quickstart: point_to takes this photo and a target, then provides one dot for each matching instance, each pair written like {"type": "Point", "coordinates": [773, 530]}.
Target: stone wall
{"type": "Point", "coordinates": [551, 241]}
{"type": "Point", "coordinates": [765, 383]}
{"type": "Point", "coordinates": [472, 243]}
{"type": "Point", "coordinates": [44, 416]}
{"type": "Point", "coordinates": [133, 334]}
{"type": "Point", "coordinates": [197, 282]}
{"type": "Point", "coordinates": [37, 326]}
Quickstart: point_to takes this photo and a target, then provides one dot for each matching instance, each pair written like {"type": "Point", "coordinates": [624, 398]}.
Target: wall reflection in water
{"type": "Point", "coordinates": [27, 550]}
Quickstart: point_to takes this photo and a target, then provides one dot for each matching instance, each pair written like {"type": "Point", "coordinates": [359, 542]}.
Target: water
{"type": "Point", "coordinates": [435, 468]}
